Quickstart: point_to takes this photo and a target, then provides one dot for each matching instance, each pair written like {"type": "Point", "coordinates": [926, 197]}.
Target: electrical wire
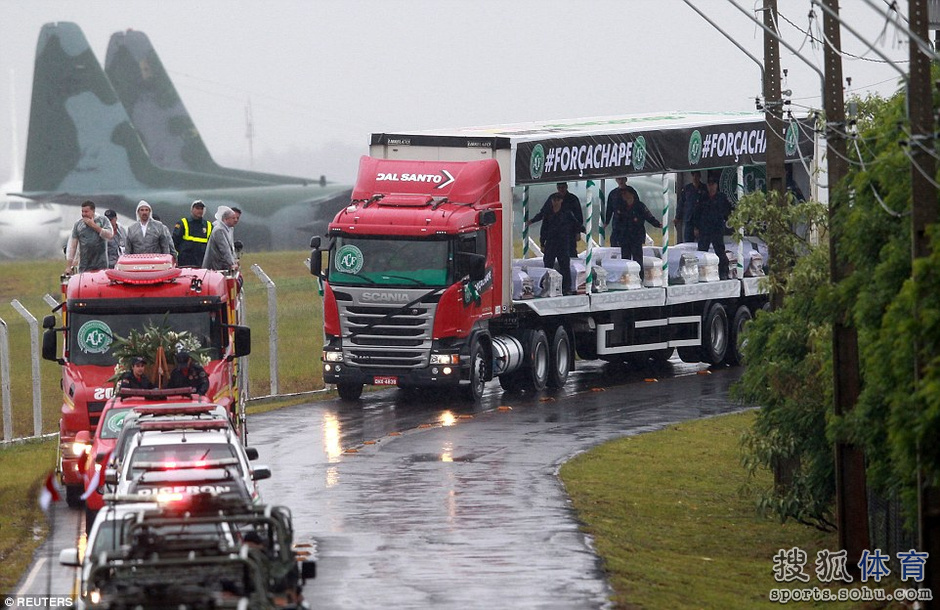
{"type": "Point", "coordinates": [874, 191]}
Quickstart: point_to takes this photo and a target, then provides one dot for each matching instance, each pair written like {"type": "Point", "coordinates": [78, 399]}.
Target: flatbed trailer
{"type": "Point", "coordinates": [469, 192]}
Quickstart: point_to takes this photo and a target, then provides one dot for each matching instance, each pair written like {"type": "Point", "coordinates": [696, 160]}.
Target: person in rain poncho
{"type": "Point", "coordinates": [220, 251]}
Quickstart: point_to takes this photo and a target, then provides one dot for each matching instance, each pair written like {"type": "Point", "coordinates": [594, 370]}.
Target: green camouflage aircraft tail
{"type": "Point", "coordinates": [80, 137]}
{"type": "Point", "coordinates": [157, 111]}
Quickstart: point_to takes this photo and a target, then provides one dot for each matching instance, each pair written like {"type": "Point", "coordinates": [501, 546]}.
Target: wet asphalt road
{"type": "Point", "coordinates": [416, 500]}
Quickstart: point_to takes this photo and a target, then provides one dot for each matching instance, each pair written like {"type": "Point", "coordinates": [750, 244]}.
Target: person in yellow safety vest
{"type": "Point", "coordinates": [190, 236]}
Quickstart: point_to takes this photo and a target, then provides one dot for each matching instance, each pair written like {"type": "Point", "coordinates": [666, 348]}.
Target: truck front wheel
{"type": "Point", "coordinates": [477, 372]}
{"type": "Point", "coordinates": [349, 391]}
{"type": "Point", "coordinates": [560, 358]}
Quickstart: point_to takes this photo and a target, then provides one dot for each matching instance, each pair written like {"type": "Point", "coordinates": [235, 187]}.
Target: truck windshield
{"type": "Point", "coordinates": [385, 261]}
{"type": "Point", "coordinates": [92, 335]}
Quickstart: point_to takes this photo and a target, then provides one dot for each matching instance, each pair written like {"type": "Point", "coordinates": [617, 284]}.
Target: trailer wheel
{"type": "Point", "coordinates": [349, 391]}
{"type": "Point", "coordinates": [560, 353]}
{"type": "Point", "coordinates": [715, 334]}
{"type": "Point", "coordinates": [535, 371]}
{"type": "Point", "coordinates": [741, 317]}
{"type": "Point", "coordinates": [474, 390]}
{"type": "Point", "coordinates": [73, 496]}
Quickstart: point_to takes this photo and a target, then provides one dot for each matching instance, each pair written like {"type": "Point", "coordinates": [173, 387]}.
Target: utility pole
{"type": "Point", "coordinates": [851, 489]}
{"type": "Point", "coordinates": [923, 212]}
{"type": "Point", "coordinates": [773, 105]}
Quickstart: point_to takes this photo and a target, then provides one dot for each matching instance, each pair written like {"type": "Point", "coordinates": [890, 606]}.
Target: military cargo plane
{"type": "Point", "coordinates": [82, 144]}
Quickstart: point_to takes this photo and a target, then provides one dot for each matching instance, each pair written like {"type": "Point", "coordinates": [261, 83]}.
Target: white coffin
{"type": "Point", "coordinates": [707, 267]}
{"type": "Point", "coordinates": [622, 274]}
{"type": "Point", "coordinates": [546, 282]}
{"type": "Point", "coordinates": [652, 271]}
{"type": "Point", "coordinates": [522, 285]}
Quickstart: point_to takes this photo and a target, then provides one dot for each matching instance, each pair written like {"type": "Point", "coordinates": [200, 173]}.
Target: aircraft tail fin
{"type": "Point", "coordinates": [80, 136]}
{"type": "Point", "coordinates": [157, 111]}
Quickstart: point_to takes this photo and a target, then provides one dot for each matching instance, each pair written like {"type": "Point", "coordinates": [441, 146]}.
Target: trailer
{"type": "Point", "coordinates": [433, 279]}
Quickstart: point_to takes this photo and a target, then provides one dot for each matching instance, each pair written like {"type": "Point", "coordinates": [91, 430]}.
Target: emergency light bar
{"type": "Point", "coordinates": [179, 424]}
{"type": "Point", "coordinates": [176, 410]}
{"type": "Point", "coordinates": [161, 393]}
{"type": "Point", "coordinates": [186, 465]}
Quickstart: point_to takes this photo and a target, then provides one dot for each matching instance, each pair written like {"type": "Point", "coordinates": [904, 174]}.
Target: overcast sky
{"type": "Point", "coordinates": [322, 75]}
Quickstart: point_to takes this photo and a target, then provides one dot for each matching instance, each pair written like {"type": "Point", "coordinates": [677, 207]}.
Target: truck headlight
{"type": "Point", "coordinates": [332, 356]}
{"type": "Point", "coordinates": [79, 449]}
{"type": "Point", "coordinates": [445, 359]}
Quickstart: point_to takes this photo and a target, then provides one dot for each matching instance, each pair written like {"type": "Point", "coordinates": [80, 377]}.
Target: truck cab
{"type": "Point", "coordinates": [100, 308]}
{"type": "Point", "coordinates": [413, 275]}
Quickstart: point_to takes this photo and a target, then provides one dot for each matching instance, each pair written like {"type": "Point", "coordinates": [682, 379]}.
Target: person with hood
{"type": "Point", "coordinates": [148, 235]}
{"type": "Point", "coordinates": [220, 251]}
{"type": "Point", "coordinates": [630, 216]}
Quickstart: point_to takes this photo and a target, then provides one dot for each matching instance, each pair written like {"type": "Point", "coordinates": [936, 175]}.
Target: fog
{"type": "Point", "coordinates": [320, 76]}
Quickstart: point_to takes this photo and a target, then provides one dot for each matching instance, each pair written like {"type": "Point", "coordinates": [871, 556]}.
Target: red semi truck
{"type": "Point", "coordinates": [422, 280]}
{"type": "Point", "coordinates": [143, 290]}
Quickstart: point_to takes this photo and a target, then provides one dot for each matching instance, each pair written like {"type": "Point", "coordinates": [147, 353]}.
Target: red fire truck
{"type": "Point", "coordinates": [422, 282]}
{"type": "Point", "coordinates": [143, 290]}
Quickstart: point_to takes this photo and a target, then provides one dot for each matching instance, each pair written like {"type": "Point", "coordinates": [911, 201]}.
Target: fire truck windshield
{"type": "Point", "coordinates": [385, 261]}
{"type": "Point", "coordinates": [92, 336]}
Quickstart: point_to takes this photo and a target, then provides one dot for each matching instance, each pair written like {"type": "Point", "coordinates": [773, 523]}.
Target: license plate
{"type": "Point", "coordinates": [385, 380]}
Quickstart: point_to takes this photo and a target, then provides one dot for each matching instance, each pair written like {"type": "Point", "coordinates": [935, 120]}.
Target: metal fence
{"type": "Point", "coordinates": [35, 355]}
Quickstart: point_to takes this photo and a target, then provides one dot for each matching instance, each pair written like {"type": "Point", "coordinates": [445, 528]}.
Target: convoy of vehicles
{"type": "Point", "coordinates": [181, 523]}
{"type": "Point", "coordinates": [422, 284]}
{"type": "Point", "coordinates": [143, 290]}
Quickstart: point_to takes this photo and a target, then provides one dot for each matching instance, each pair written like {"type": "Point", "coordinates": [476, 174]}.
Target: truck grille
{"type": "Point", "coordinates": [385, 336]}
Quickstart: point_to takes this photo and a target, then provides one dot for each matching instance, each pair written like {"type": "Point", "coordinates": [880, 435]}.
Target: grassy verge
{"type": "Point", "coordinates": [675, 526]}
{"type": "Point", "coordinates": [22, 525]}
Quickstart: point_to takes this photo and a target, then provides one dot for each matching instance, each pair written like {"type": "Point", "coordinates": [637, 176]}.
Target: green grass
{"type": "Point", "coordinates": [24, 467]}
{"type": "Point", "coordinates": [673, 518]}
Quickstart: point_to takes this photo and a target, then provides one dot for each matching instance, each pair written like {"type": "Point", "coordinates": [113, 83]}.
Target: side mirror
{"type": "Point", "coordinates": [239, 246]}
{"type": "Point", "coordinates": [260, 473]}
{"type": "Point", "coordinates": [316, 257]}
{"type": "Point", "coordinates": [242, 341]}
{"type": "Point", "coordinates": [48, 322]}
{"type": "Point", "coordinates": [487, 218]}
{"type": "Point", "coordinates": [252, 453]}
{"type": "Point", "coordinates": [83, 436]}
{"type": "Point", "coordinates": [110, 476]}
{"type": "Point", "coordinates": [69, 557]}
{"type": "Point", "coordinates": [50, 345]}
{"type": "Point", "coordinates": [308, 569]}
